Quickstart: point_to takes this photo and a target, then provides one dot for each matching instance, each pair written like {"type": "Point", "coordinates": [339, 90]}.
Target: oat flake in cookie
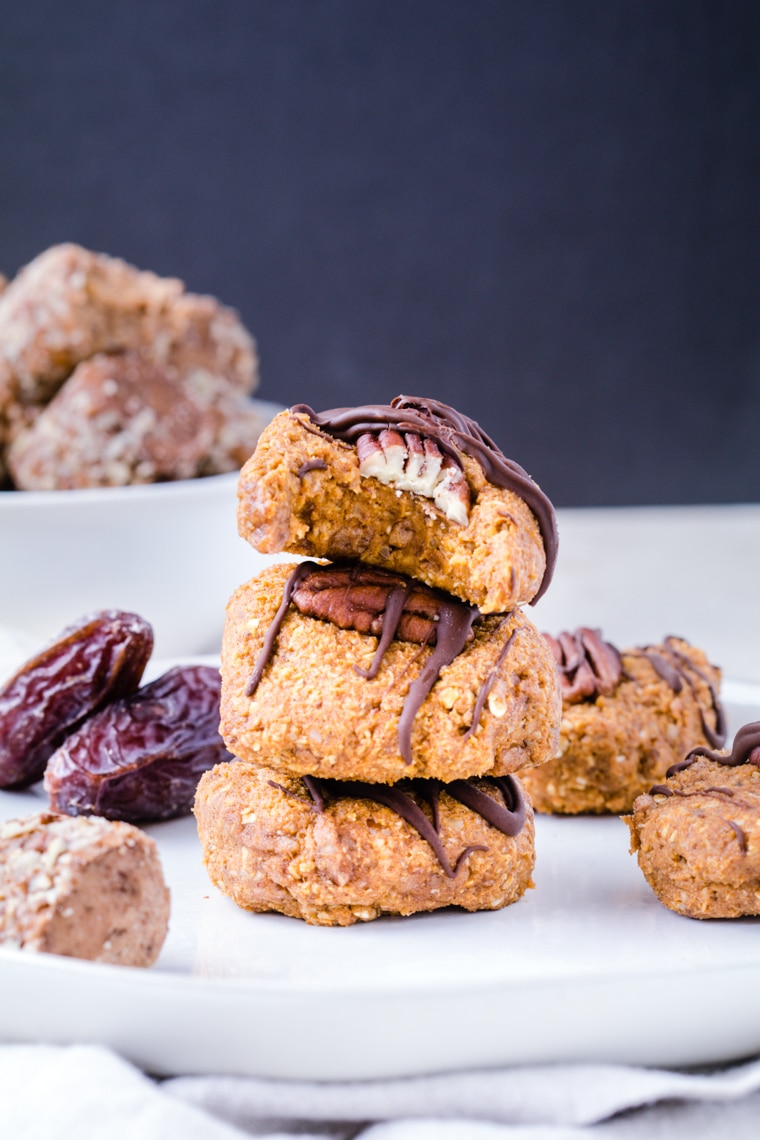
{"type": "Point", "coordinates": [83, 888]}
{"type": "Point", "coordinates": [697, 834]}
{"type": "Point", "coordinates": [414, 487]}
{"type": "Point", "coordinates": [626, 718]}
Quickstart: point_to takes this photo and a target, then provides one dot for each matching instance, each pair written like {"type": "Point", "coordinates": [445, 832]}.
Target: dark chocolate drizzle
{"type": "Point", "coordinates": [452, 633]}
{"type": "Point", "coordinates": [673, 667]}
{"type": "Point", "coordinates": [453, 630]}
{"type": "Point", "coordinates": [740, 834]}
{"type": "Point", "coordinates": [299, 572]}
{"type": "Point", "coordinates": [665, 790]}
{"type": "Point", "coordinates": [311, 465]}
{"type": "Point", "coordinates": [292, 795]}
{"type": "Point", "coordinates": [745, 750]}
{"type": "Point", "coordinates": [487, 685]}
{"type": "Point", "coordinates": [394, 608]}
{"type": "Point", "coordinates": [312, 784]}
{"type": "Point", "coordinates": [507, 817]}
{"type": "Point", "coordinates": [454, 433]}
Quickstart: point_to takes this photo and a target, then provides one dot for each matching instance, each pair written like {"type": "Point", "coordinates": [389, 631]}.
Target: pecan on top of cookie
{"type": "Point", "coordinates": [416, 444]}
{"type": "Point", "coordinates": [370, 600]}
{"type": "Point", "coordinates": [588, 666]}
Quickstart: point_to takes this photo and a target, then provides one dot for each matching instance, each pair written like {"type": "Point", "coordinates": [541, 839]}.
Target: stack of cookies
{"type": "Point", "coordinates": [381, 699]}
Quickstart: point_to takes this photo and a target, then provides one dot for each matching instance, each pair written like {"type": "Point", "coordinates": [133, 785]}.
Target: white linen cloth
{"type": "Point", "coordinates": [86, 1092]}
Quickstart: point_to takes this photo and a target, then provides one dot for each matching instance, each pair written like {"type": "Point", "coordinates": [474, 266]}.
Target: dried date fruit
{"type": "Point", "coordinates": [140, 758]}
{"type": "Point", "coordinates": [97, 659]}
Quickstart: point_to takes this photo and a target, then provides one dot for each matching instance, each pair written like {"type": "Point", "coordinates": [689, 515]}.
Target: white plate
{"type": "Point", "coordinates": [588, 966]}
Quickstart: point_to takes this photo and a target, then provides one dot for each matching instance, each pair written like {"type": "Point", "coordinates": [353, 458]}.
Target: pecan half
{"type": "Point", "coordinates": [367, 599]}
{"type": "Point", "coordinates": [413, 462]}
{"type": "Point", "coordinates": [360, 597]}
{"type": "Point", "coordinates": [588, 666]}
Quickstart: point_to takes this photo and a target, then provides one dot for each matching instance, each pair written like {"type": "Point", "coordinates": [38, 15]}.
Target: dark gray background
{"type": "Point", "coordinates": [546, 213]}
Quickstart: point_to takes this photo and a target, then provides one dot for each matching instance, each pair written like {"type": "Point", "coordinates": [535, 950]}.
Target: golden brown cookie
{"type": "Point", "coordinates": [311, 686]}
{"type": "Point", "coordinates": [335, 854]}
{"type": "Point", "coordinates": [413, 487]}
{"type": "Point", "coordinates": [626, 718]}
{"type": "Point", "coordinates": [697, 835]}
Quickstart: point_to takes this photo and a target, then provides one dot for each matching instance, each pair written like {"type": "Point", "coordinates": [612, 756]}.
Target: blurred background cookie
{"type": "Point", "coordinates": [123, 418]}
{"type": "Point", "coordinates": [84, 888]}
{"type": "Point", "coordinates": [626, 717]}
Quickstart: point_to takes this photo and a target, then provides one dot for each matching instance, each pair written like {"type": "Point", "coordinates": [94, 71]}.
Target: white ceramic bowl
{"type": "Point", "coordinates": [168, 551]}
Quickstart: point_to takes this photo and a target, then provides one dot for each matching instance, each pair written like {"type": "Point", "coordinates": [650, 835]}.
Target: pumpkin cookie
{"type": "Point", "coordinates": [354, 673]}
{"type": "Point", "coordinates": [697, 835]}
{"type": "Point", "coordinates": [335, 853]}
{"type": "Point", "coordinates": [626, 718]}
{"type": "Point", "coordinates": [413, 487]}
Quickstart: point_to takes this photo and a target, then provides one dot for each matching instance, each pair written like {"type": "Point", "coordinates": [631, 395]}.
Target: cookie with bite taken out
{"type": "Point", "coordinates": [413, 487]}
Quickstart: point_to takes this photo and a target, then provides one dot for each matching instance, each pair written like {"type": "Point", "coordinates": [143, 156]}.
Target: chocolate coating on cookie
{"type": "Point", "coordinates": [454, 433]}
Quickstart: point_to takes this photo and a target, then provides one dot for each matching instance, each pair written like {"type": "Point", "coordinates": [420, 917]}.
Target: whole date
{"type": "Point", "coordinates": [98, 659]}
{"type": "Point", "coordinates": [140, 758]}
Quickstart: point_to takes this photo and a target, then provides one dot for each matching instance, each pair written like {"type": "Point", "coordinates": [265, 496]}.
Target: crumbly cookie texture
{"type": "Point", "coordinates": [698, 844]}
{"type": "Point", "coordinates": [69, 304]}
{"type": "Point", "coordinates": [82, 887]}
{"type": "Point", "coordinates": [302, 492]}
{"type": "Point", "coordinates": [266, 847]}
{"type": "Point", "coordinates": [615, 745]}
{"type": "Point", "coordinates": [312, 713]}
{"type": "Point", "coordinates": [122, 418]}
